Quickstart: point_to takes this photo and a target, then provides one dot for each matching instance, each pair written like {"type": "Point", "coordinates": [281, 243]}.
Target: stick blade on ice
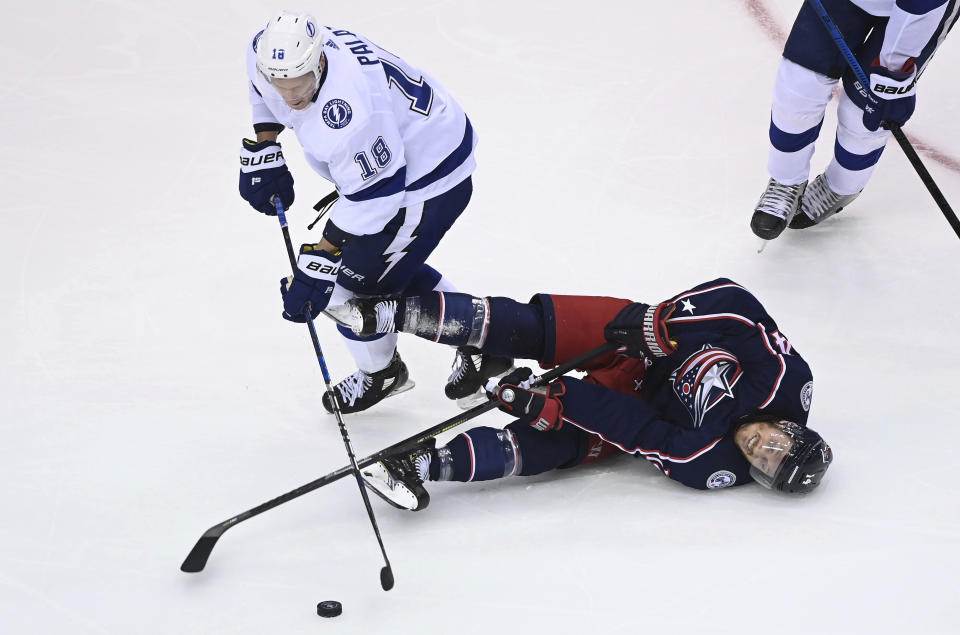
{"type": "Point", "coordinates": [197, 558]}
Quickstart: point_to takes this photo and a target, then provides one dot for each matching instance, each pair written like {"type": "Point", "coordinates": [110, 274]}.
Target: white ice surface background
{"type": "Point", "coordinates": [150, 388]}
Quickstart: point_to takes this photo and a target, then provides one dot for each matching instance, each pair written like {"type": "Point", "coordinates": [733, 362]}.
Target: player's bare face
{"type": "Point", "coordinates": [296, 91]}
{"type": "Point", "coordinates": [764, 444]}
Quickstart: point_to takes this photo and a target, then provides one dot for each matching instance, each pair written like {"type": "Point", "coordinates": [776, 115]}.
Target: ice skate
{"type": "Point", "coordinates": [366, 316]}
{"type": "Point", "coordinates": [776, 208]}
{"type": "Point", "coordinates": [361, 390]}
{"type": "Point", "coordinates": [820, 203]}
{"type": "Point", "coordinates": [471, 370]}
{"type": "Point", "coordinates": [398, 479]}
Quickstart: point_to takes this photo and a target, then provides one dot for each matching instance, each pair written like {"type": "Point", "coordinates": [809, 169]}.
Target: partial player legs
{"type": "Point", "coordinates": [390, 263]}
{"type": "Point", "coordinates": [481, 454]}
{"type": "Point", "coordinates": [855, 155]}
{"type": "Point", "coordinates": [800, 97]}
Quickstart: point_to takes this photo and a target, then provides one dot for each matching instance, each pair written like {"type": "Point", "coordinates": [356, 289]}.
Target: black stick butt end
{"type": "Point", "coordinates": [386, 578]}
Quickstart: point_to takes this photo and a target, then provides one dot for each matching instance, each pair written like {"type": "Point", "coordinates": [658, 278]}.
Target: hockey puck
{"type": "Point", "coordinates": [329, 608]}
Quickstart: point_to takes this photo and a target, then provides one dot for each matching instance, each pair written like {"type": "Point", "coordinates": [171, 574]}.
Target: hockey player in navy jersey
{"type": "Point", "coordinates": [704, 386]}
{"type": "Point", "coordinates": [399, 150]}
{"type": "Point", "coordinates": [893, 40]}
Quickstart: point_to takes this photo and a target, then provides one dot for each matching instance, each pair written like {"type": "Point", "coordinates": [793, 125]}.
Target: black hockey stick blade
{"type": "Point", "coordinates": [386, 578]}
{"type": "Point", "coordinates": [197, 558]}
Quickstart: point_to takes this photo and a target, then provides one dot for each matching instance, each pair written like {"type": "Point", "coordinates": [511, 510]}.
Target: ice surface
{"type": "Point", "coordinates": [150, 388]}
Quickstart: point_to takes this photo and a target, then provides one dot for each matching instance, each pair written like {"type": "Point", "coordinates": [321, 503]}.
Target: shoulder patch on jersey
{"type": "Point", "coordinates": [721, 478]}
{"type": "Point", "coordinates": [806, 395]}
{"type": "Point", "coordinates": [337, 113]}
{"type": "Point", "coordinates": [704, 379]}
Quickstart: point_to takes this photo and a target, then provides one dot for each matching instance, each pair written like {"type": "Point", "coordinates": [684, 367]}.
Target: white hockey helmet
{"type": "Point", "coordinates": [289, 46]}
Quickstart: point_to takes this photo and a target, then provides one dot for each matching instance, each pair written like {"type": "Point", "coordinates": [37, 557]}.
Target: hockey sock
{"type": "Point", "coordinates": [479, 454]}
{"type": "Point", "coordinates": [498, 326]}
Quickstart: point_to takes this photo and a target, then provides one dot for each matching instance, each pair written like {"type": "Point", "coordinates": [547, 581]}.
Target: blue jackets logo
{"type": "Point", "coordinates": [337, 113]}
{"type": "Point", "coordinates": [721, 478]}
{"type": "Point", "coordinates": [705, 378]}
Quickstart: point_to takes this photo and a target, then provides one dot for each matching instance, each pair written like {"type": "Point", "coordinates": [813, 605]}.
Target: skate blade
{"type": "Point", "coordinates": [471, 401]}
{"type": "Point", "coordinates": [404, 387]}
{"type": "Point", "coordinates": [339, 314]}
{"type": "Point", "coordinates": [763, 245]}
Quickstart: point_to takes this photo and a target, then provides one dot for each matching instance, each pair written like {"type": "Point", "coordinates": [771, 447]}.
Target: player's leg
{"type": "Point", "coordinates": [391, 262]}
{"type": "Point", "coordinates": [857, 150]}
{"type": "Point", "coordinates": [551, 329]}
{"type": "Point", "coordinates": [481, 454]}
{"type": "Point", "coordinates": [808, 73]}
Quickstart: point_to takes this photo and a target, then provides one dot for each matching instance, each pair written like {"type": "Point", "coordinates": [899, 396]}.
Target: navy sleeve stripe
{"type": "Point", "coordinates": [453, 161]}
{"type": "Point", "coordinates": [387, 187]}
{"type": "Point", "coordinates": [266, 126]}
{"type": "Point", "coordinates": [919, 7]}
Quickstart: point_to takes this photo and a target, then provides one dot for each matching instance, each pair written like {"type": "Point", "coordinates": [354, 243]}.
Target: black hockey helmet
{"type": "Point", "coordinates": [796, 458]}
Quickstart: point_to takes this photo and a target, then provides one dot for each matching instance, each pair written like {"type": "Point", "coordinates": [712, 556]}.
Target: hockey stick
{"type": "Point", "coordinates": [862, 86]}
{"type": "Point", "coordinates": [197, 558]}
{"type": "Point", "coordinates": [386, 573]}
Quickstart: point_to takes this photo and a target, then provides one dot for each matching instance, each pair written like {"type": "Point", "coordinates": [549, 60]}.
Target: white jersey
{"type": "Point", "coordinates": [911, 25]}
{"type": "Point", "coordinates": [385, 133]}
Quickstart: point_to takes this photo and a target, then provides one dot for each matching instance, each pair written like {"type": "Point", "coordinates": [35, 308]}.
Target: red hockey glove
{"type": "Point", "coordinates": [541, 408]}
{"type": "Point", "coordinates": [641, 329]}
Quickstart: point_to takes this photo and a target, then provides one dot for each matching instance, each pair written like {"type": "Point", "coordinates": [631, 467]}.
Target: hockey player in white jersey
{"type": "Point", "coordinates": [400, 152]}
{"type": "Point", "coordinates": [893, 41]}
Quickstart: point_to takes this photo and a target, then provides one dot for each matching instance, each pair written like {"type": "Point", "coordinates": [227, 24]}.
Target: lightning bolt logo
{"type": "Point", "coordinates": [392, 260]}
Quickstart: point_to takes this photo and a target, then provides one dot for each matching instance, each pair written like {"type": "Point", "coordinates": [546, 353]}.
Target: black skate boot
{"type": "Point", "coordinates": [398, 479]}
{"type": "Point", "coordinates": [361, 390]}
{"type": "Point", "coordinates": [820, 203]}
{"type": "Point", "coordinates": [471, 370]}
{"type": "Point", "coordinates": [777, 206]}
{"type": "Point", "coordinates": [366, 316]}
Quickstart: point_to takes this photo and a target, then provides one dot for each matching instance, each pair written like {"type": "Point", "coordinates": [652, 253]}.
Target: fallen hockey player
{"type": "Point", "coordinates": [704, 386]}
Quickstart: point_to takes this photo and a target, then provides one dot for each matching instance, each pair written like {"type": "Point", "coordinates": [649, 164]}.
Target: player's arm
{"type": "Point", "coordinates": [719, 306]}
{"type": "Point", "coordinates": [893, 74]}
{"type": "Point", "coordinates": [263, 170]}
{"type": "Point", "coordinates": [911, 25]}
{"type": "Point", "coordinates": [688, 455]}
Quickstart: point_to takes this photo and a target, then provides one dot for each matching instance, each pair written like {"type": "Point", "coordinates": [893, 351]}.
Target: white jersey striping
{"type": "Point", "coordinates": [385, 133]}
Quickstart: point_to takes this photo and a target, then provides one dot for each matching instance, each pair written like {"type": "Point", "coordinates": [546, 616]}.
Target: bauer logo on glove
{"type": "Point", "coordinates": [310, 285]}
{"type": "Point", "coordinates": [263, 175]}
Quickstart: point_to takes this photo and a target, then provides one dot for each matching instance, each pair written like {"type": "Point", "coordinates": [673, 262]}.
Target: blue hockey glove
{"type": "Point", "coordinates": [895, 95]}
{"type": "Point", "coordinates": [540, 408]}
{"type": "Point", "coordinates": [263, 174]}
{"type": "Point", "coordinates": [641, 330]}
{"type": "Point", "coordinates": [312, 283]}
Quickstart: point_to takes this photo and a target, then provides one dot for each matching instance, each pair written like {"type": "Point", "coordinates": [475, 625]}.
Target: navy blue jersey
{"type": "Point", "coordinates": [732, 361]}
